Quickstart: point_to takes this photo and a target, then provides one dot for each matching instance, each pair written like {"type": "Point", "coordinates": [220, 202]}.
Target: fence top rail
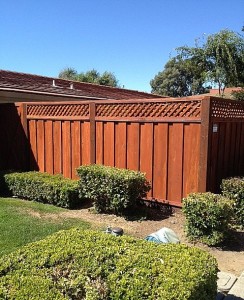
{"type": "Point", "coordinates": [112, 101]}
{"type": "Point", "coordinates": [188, 107]}
{"type": "Point", "coordinates": [119, 109]}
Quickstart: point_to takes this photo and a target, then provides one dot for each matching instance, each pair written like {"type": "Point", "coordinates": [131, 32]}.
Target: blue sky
{"type": "Point", "coordinates": [131, 38]}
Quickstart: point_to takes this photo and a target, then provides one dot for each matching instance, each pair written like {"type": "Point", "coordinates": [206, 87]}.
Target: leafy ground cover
{"type": "Point", "coordinates": [22, 222]}
{"type": "Point", "coordinates": [83, 264]}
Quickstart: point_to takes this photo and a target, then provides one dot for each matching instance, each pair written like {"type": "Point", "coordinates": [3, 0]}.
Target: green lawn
{"type": "Point", "coordinates": [22, 222]}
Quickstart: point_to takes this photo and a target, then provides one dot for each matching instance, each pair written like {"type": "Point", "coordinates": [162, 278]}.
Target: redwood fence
{"type": "Point", "coordinates": [183, 145]}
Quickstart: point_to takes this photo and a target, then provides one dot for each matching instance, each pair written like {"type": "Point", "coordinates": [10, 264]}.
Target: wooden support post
{"type": "Point", "coordinates": [23, 116]}
{"type": "Point", "coordinates": [204, 144]}
{"type": "Point", "coordinates": [92, 133]}
{"type": "Point", "coordinates": [25, 137]}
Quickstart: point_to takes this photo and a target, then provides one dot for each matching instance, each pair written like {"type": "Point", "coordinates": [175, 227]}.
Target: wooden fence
{"type": "Point", "coordinates": [183, 145]}
{"type": "Point", "coordinates": [226, 141]}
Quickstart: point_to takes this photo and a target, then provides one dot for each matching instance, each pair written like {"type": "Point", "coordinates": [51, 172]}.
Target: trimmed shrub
{"type": "Point", "coordinates": [233, 188]}
{"type": "Point", "coordinates": [207, 217]}
{"type": "Point", "coordinates": [43, 187]}
{"type": "Point", "coordinates": [91, 265]}
{"type": "Point", "coordinates": [112, 189]}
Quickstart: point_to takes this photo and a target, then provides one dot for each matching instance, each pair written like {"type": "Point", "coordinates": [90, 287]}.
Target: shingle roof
{"type": "Point", "coordinates": [40, 84]}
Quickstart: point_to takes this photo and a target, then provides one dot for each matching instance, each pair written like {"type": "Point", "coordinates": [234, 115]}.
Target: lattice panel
{"type": "Point", "coordinates": [150, 110]}
{"type": "Point", "coordinates": [59, 110]}
{"type": "Point", "coordinates": [227, 109]}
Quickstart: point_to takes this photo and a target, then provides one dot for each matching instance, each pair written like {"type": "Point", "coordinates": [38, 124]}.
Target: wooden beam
{"type": "Point", "coordinates": [11, 96]}
{"type": "Point", "coordinates": [204, 144]}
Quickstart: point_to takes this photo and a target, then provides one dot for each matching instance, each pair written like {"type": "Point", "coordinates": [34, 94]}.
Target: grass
{"type": "Point", "coordinates": [20, 224]}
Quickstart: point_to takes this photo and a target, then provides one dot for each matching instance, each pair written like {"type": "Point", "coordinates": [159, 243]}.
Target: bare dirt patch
{"type": "Point", "coordinates": [230, 258]}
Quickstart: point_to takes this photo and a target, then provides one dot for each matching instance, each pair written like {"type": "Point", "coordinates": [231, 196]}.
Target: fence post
{"type": "Point", "coordinates": [204, 144]}
{"type": "Point", "coordinates": [26, 150]}
{"type": "Point", "coordinates": [23, 116]}
{"type": "Point", "coordinates": [92, 107]}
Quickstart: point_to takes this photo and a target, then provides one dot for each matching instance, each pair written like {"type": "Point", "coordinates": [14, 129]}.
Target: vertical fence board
{"type": "Point", "coordinates": [41, 145]}
{"type": "Point", "coordinates": [99, 143]}
{"type": "Point", "coordinates": [49, 146]}
{"type": "Point", "coordinates": [120, 145]}
{"type": "Point", "coordinates": [160, 161]}
{"type": "Point", "coordinates": [33, 146]}
{"type": "Point", "coordinates": [133, 146]}
{"type": "Point", "coordinates": [232, 149]}
{"type": "Point", "coordinates": [92, 113]}
{"type": "Point", "coordinates": [146, 151]}
{"type": "Point", "coordinates": [214, 158]}
{"type": "Point", "coordinates": [241, 163]}
{"type": "Point", "coordinates": [175, 161]}
{"type": "Point", "coordinates": [57, 147]}
{"type": "Point", "coordinates": [221, 146]}
{"type": "Point", "coordinates": [191, 157]}
{"type": "Point", "coordinates": [66, 150]}
{"type": "Point", "coordinates": [108, 143]}
{"type": "Point", "coordinates": [85, 143]}
{"type": "Point", "coordinates": [226, 165]}
{"type": "Point", "coordinates": [76, 147]}
{"type": "Point", "coordinates": [237, 147]}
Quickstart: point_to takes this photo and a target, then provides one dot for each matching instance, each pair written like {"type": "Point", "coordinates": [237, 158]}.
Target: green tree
{"type": "Point", "coordinates": [183, 75]}
{"type": "Point", "coordinates": [172, 81]}
{"type": "Point", "coordinates": [224, 52]}
{"type": "Point", "coordinates": [91, 76]}
{"type": "Point", "coordinates": [219, 60]}
{"type": "Point", "coordinates": [68, 73]}
{"type": "Point", "coordinates": [108, 78]}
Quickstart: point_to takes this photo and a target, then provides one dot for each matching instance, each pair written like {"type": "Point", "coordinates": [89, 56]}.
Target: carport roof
{"type": "Point", "coordinates": [34, 84]}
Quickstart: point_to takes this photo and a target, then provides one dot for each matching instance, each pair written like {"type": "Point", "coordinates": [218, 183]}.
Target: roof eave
{"type": "Point", "coordinates": [10, 95]}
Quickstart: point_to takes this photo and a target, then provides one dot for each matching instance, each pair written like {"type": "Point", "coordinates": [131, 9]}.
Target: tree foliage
{"type": "Point", "coordinates": [68, 73]}
{"type": "Point", "coordinates": [181, 76]}
{"type": "Point", "coordinates": [219, 60]}
{"type": "Point", "coordinates": [225, 54]}
{"type": "Point", "coordinates": [91, 76]}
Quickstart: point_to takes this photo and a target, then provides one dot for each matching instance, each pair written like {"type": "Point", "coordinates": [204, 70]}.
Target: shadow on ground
{"type": "Point", "coordinates": [145, 210]}
{"type": "Point", "coordinates": [152, 211]}
{"type": "Point", "coordinates": [235, 242]}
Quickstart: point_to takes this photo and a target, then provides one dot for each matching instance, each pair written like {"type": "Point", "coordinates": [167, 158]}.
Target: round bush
{"type": "Point", "coordinates": [233, 188]}
{"type": "Point", "coordinates": [207, 217]}
{"type": "Point", "coordinates": [78, 264]}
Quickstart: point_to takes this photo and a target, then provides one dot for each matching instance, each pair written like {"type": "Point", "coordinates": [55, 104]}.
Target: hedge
{"type": "Point", "coordinates": [43, 187]}
{"type": "Point", "coordinates": [233, 188]}
{"type": "Point", "coordinates": [112, 189]}
{"type": "Point", "coordinates": [92, 265]}
{"type": "Point", "coordinates": [208, 217]}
